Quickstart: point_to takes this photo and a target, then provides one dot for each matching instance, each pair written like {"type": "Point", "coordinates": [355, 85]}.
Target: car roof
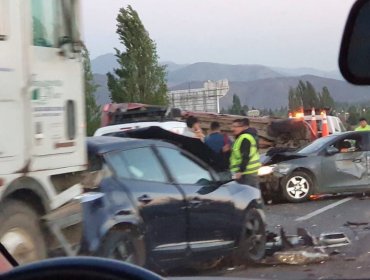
{"type": "Point", "coordinates": [105, 144]}
{"type": "Point", "coordinates": [135, 125]}
{"type": "Point", "coordinates": [350, 132]}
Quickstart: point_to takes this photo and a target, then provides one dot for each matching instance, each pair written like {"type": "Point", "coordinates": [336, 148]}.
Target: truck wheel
{"type": "Point", "coordinates": [297, 187]}
{"type": "Point", "coordinates": [122, 245]}
{"type": "Point", "coordinates": [253, 240]}
{"type": "Point", "coordinates": [20, 231]}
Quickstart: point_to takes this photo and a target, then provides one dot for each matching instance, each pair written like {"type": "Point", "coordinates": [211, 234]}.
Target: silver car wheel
{"type": "Point", "coordinates": [297, 187]}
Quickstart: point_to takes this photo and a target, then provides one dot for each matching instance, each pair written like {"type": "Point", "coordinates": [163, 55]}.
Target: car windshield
{"type": "Point", "coordinates": [184, 136]}
{"type": "Point", "coordinates": [316, 145]}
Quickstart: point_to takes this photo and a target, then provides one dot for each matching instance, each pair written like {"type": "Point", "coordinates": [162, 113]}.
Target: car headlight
{"type": "Point", "coordinates": [266, 170]}
{"type": "Point", "coordinates": [283, 168]}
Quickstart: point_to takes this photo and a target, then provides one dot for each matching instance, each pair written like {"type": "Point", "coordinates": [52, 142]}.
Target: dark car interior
{"type": "Point", "coordinates": [349, 144]}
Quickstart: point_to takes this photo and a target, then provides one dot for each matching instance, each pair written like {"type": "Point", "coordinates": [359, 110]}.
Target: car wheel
{"type": "Point", "coordinates": [20, 232]}
{"type": "Point", "coordinates": [122, 245]}
{"type": "Point", "coordinates": [253, 240]}
{"type": "Point", "coordinates": [298, 187]}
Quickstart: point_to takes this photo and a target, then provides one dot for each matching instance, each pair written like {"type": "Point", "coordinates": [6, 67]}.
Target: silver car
{"type": "Point", "coordinates": [334, 164]}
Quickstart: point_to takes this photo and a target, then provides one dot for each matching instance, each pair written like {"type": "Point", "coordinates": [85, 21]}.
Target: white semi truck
{"type": "Point", "coordinates": [42, 123]}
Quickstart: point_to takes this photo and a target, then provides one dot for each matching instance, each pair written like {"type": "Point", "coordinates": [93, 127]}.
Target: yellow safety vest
{"type": "Point", "coordinates": [236, 156]}
{"type": "Point", "coordinates": [366, 128]}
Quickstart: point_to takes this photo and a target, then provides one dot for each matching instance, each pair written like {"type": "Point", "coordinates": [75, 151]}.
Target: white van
{"type": "Point", "coordinates": [173, 126]}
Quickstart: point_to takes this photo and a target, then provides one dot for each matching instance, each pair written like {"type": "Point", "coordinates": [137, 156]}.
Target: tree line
{"type": "Point", "coordinates": [305, 96]}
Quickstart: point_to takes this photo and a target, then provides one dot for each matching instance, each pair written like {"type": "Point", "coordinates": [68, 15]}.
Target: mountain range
{"type": "Point", "coordinates": [256, 85]}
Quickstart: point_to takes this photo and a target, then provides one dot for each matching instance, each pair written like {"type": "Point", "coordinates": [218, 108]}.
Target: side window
{"type": "Point", "coordinates": [4, 19]}
{"type": "Point", "coordinates": [139, 164]}
{"type": "Point", "coordinates": [118, 163]}
{"type": "Point", "coordinates": [184, 169]}
{"type": "Point", "coordinates": [71, 119]}
{"type": "Point", "coordinates": [350, 144]}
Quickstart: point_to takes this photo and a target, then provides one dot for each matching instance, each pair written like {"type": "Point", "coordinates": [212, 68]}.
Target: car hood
{"type": "Point", "coordinates": [274, 158]}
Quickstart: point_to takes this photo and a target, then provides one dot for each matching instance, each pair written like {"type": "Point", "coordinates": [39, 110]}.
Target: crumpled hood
{"type": "Point", "coordinates": [280, 156]}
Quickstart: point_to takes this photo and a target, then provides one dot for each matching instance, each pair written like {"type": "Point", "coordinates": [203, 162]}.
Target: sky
{"type": "Point", "coordinates": [279, 33]}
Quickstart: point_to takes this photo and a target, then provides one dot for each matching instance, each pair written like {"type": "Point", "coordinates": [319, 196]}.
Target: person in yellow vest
{"type": "Point", "coordinates": [363, 125]}
{"type": "Point", "coordinates": [244, 159]}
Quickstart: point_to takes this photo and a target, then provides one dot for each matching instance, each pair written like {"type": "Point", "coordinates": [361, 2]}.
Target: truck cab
{"type": "Point", "coordinates": [42, 143]}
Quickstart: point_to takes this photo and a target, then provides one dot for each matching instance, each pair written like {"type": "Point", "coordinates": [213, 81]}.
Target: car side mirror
{"type": "Point", "coordinates": [331, 151]}
{"type": "Point", "coordinates": [354, 58]}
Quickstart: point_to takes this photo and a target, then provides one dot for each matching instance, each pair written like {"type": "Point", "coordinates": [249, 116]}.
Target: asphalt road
{"type": "Point", "coordinates": [324, 216]}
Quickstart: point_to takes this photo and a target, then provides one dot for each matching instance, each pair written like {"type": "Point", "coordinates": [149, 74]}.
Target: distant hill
{"type": "Point", "coordinates": [293, 72]}
{"type": "Point", "coordinates": [273, 92]}
{"type": "Point", "coordinates": [107, 62]}
{"type": "Point", "coordinates": [203, 71]}
{"type": "Point", "coordinates": [104, 64]}
{"type": "Point", "coordinates": [256, 85]}
{"type": "Point", "coordinates": [181, 73]}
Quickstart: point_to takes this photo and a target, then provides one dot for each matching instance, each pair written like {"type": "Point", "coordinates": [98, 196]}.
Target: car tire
{"type": "Point", "coordinates": [297, 187]}
{"type": "Point", "coordinates": [122, 245]}
{"type": "Point", "coordinates": [20, 231]}
{"type": "Point", "coordinates": [252, 245]}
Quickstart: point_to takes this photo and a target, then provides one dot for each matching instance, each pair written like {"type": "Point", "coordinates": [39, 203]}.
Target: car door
{"type": "Point", "coordinates": [209, 206]}
{"type": "Point", "coordinates": [347, 169]}
{"type": "Point", "coordinates": [161, 204]}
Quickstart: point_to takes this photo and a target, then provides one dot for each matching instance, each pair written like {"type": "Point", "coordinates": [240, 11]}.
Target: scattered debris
{"type": "Point", "coordinates": [300, 257]}
{"type": "Point", "coordinates": [337, 239]}
{"type": "Point", "coordinates": [285, 242]}
{"type": "Point", "coordinates": [308, 238]}
{"type": "Point", "coordinates": [303, 248]}
{"type": "Point", "coordinates": [348, 224]}
{"type": "Point", "coordinates": [334, 253]}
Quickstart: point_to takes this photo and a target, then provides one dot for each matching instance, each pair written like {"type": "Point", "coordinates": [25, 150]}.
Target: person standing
{"type": "Point", "coordinates": [363, 126]}
{"type": "Point", "coordinates": [193, 128]}
{"type": "Point", "coordinates": [219, 143]}
{"type": "Point", "coordinates": [244, 159]}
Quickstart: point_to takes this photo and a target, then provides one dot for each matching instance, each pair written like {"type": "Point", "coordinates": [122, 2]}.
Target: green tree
{"type": "Point", "coordinates": [295, 99]}
{"type": "Point", "coordinates": [139, 78]}
{"type": "Point", "coordinates": [236, 108]}
{"type": "Point", "coordinates": [91, 108]}
{"type": "Point", "coordinates": [326, 101]}
{"type": "Point", "coordinates": [310, 97]}
{"type": "Point", "coordinates": [245, 108]}
{"type": "Point", "coordinates": [353, 115]}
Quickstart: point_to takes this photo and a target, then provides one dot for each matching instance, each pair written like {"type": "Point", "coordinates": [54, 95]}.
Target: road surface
{"type": "Point", "coordinates": [329, 215]}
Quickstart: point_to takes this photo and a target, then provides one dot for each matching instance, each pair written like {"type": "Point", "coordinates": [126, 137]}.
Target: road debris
{"type": "Point", "coordinates": [334, 253]}
{"type": "Point", "coordinates": [308, 238]}
{"type": "Point", "coordinates": [303, 248]}
{"type": "Point", "coordinates": [336, 239]}
{"type": "Point", "coordinates": [357, 224]}
{"type": "Point", "coordinates": [300, 257]}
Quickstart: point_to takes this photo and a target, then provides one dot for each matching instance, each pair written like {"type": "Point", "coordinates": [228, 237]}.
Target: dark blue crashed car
{"type": "Point", "coordinates": [162, 207]}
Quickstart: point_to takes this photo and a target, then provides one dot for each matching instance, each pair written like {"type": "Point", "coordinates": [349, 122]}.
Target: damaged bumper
{"type": "Point", "coordinates": [270, 184]}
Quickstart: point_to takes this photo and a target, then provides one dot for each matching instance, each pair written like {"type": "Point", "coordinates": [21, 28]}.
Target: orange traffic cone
{"type": "Point", "coordinates": [325, 128]}
{"type": "Point", "coordinates": [313, 121]}
{"type": "Point", "coordinates": [290, 115]}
